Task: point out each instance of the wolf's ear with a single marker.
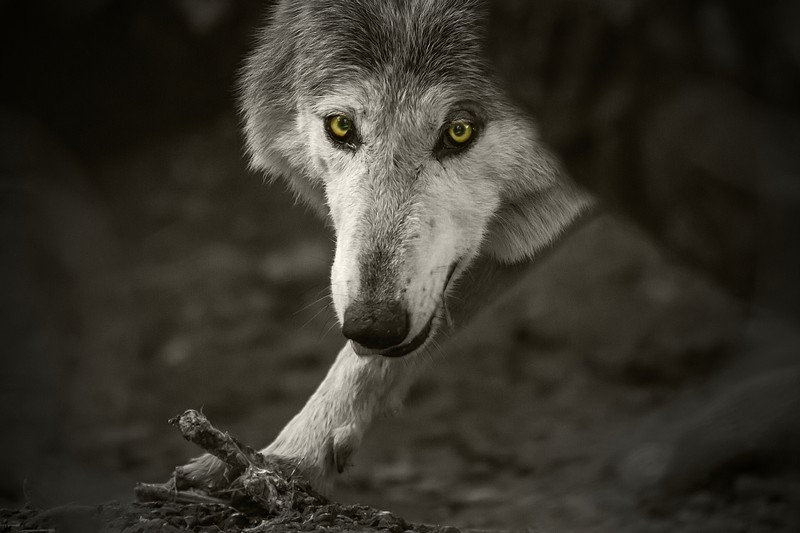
(538, 202)
(268, 102)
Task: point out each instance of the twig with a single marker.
(271, 482)
(196, 428)
(165, 492)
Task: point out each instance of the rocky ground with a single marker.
(632, 384)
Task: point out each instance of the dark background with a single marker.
(645, 378)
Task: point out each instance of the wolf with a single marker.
(385, 118)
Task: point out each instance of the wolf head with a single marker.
(383, 116)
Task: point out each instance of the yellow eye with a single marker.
(340, 126)
(460, 131)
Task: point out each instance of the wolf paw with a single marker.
(320, 458)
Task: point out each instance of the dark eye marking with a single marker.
(461, 130)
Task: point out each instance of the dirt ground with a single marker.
(626, 386)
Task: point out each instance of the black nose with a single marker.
(375, 325)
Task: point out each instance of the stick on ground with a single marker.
(269, 482)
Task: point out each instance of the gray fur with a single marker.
(407, 218)
(410, 45)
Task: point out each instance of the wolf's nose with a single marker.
(375, 325)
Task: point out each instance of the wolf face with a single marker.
(410, 206)
(385, 119)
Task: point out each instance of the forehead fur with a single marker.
(427, 41)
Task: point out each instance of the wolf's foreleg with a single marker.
(324, 434)
(329, 428)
